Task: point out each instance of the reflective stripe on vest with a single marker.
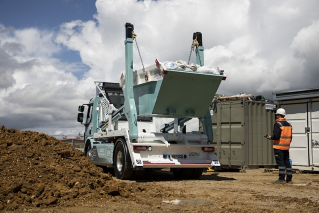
(286, 137)
(277, 144)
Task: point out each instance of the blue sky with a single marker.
(51, 51)
(47, 15)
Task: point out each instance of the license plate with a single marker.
(215, 162)
(177, 156)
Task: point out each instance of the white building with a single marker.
(302, 111)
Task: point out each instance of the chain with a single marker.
(140, 56)
(194, 44)
(190, 53)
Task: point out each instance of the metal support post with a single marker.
(206, 121)
(200, 49)
(129, 102)
(175, 125)
(200, 55)
(207, 126)
(110, 126)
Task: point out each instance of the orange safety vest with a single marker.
(285, 137)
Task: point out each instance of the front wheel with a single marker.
(121, 169)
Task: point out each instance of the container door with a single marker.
(259, 122)
(224, 134)
(231, 134)
(315, 134)
(237, 134)
(297, 116)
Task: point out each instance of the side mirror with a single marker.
(81, 108)
(80, 117)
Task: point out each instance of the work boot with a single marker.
(280, 181)
(289, 181)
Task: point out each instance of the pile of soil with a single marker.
(38, 170)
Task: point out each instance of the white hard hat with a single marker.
(281, 111)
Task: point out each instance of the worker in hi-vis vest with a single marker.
(281, 138)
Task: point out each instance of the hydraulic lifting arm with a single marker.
(199, 48)
(129, 102)
(206, 121)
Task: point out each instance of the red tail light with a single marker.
(139, 148)
(209, 149)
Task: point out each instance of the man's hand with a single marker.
(268, 137)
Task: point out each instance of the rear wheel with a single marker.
(197, 173)
(121, 161)
(183, 173)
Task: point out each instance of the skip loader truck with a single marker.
(163, 90)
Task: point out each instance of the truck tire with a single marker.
(197, 173)
(121, 169)
(183, 173)
(88, 150)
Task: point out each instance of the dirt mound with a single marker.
(38, 170)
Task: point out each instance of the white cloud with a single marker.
(285, 11)
(34, 41)
(306, 42)
(305, 47)
(38, 90)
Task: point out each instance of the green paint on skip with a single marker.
(179, 94)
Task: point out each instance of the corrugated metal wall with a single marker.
(260, 122)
